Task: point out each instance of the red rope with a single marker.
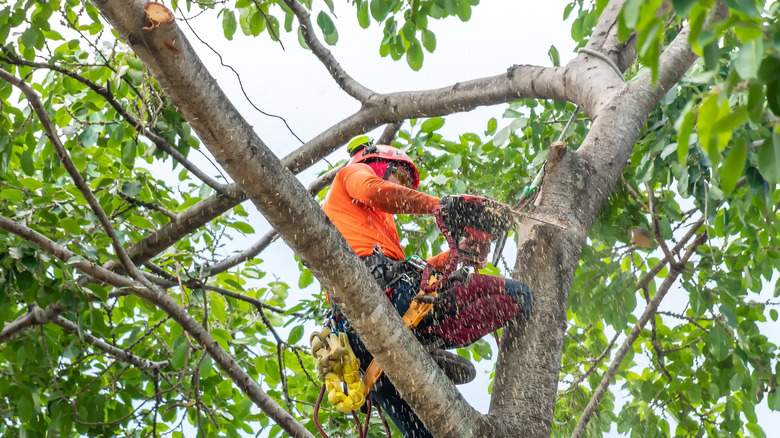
(454, 256)
(317, 412)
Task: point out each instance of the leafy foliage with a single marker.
(708, 162)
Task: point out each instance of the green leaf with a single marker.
(179, 355)
(26, 160)
(428, 40)
(719, 343)
(305, 279)
(755, 431)
(734, 166)
(683, 7)
(129, 150)
(748, 60)
(464, 10)
(773, 400)
(131, 188)
(362, 15)
(755, 102)
(432, 124)
(229, 23)
(731, 122)
(683, 136)
(554, 56)
(379, 9)
(29, 38)
(11, 195)
(748, 7)
(70, 225)
(414, 55)
(141, 222)
(218, 309)
(296, 334)
(328, 28)
(769, 159)
(242, 227)
(280, 290)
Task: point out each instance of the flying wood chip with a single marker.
(157, 14)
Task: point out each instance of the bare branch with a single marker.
(388, 135)
(656, 230)
(320, 183)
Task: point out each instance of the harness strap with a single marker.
(419, 307)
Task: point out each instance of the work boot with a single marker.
(459, 369)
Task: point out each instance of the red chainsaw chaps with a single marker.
(483, 306)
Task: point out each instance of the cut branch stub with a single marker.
(157, 14)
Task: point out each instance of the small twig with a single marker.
(656, 228)
(148, 205)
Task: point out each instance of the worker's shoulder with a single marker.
(356, 169)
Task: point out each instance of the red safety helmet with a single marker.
(366, 153)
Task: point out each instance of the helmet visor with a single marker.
(400, 175)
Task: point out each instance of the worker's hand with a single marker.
(474, 252)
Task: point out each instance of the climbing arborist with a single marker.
(378, 182)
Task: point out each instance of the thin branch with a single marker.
(320, 183)
(34, 316)
(594, 364)
(147, 205)
(121, 354)
(653, 272)
(649, 312)
(656, 228)
(344, 80)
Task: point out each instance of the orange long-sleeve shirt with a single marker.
(361, 205)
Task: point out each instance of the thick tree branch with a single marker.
(574, 191)
(604, 38)
(389, 133)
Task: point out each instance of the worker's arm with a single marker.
(363, 185)
(440, 261)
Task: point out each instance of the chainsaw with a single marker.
(477, 218)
